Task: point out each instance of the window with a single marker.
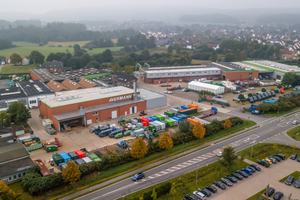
(15, 176)
(32, 101)
(163, 74)
(95, 113)
(193, 72)
(9, 178)
(19, 175)
(188, 73)
(169, 73)
(24, 173)
(175, 73)
(156, 74)
(97, 119)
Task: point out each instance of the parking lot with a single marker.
(259, 180)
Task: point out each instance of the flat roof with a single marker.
(11, 93)
(84, 95)
(148, 94)
(280, 67)
(183, 70)
(46, 76)
(34, 87)
(75, 74)
(228, 66)
(173, 67)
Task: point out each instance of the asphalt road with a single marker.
(267, 129)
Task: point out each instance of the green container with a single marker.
(155, 134)
(34, 147)
(140, 136)
(92, 156)
(119, 135)
(169, 114)
(50, 148)
(171, 123)
(121, 120)
(127, 133)
(160, 118)
(151, 127)
(146, 128)
(57, 158)
(97, 159)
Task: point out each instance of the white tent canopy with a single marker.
(198, 86)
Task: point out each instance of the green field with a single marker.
(257, 195)
(17, 69)
(25, 48)
(294, 133)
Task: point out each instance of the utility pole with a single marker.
(197, 177)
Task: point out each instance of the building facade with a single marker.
(122, 79)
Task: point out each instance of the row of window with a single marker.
(95, 113)
(182, 73)
(14, 177)
(32, 101)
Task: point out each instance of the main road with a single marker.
(265, 131)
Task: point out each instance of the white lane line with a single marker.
(186, 163)
(212, 154)
(200, 157)
(190, 161)
(170, 170)
(113, 191)
(176, 168)
(164, 172)
(196, 160)
(180, 165)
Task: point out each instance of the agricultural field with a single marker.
(17, 69)
(25, 48)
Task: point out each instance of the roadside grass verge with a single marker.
(17, 69)
(294, 133)
(275, 114)
(295, 174)
(95, 178)
(186, 183)
(257, 195)
(263, 150)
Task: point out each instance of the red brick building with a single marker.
(239, 75)
(86, 106)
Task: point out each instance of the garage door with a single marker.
(135, 109)
(114, 114)
(89, 121)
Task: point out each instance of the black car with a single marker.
(190, 197)
(250, 99)
(269, 192)
(204, 191)
(220, 185)
(277, 158)
(244, 174)
(211, 188)
(252, 168)
(227, 182)
(278, 195)
(263, 96)
(290, 180)
(293, 156)
(298, 159)
(263, 163)
(256, 167)
(238, 176)
(280, 156)
(266, 94)
(237, 92)
(297, 183)
(232, 179)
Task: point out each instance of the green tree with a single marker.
(263, 89)
(129, 69)
(214, 56)
(243, 55)
(278, 53)
(241, 97)
(76, 48)
(7, 194)
(71, 173)
(116, 68)
(18, 112)
(122, 41)
(145, 54)
(229, 157)
(178, 49)
(290, 79)
(15, 58)
(170, 49)
(173, 190)
(250, 95)
(139, 149)
(154, 195)
(37, 57)
(93, 64)
(229, 57)
(107, 56)
(5, 116)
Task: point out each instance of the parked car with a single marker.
(220, 154)
(277, 158)
(248, 171)
(255, 112)
(205, 192)
(269, 191)
(211, 188)
(219, 96)
(263, 163)
(220, 185)
(238, 176)
(236, 99)
(236, 92)
(252, 168)
(244, 174)
(256, 167)
(267, 160)
(199, 195)
(280, 156)
(259, 97)
(254, 98)
(170, 92)
(278, 195)
(274, 161)
(290, 180)
(185, 90)
(298, 159)
(297, 183)
(251, 88)
(250, 99)
(226, 182)
(190, 197)
(246, 90)
(295, 122)
(231, 178)
(138, 176)
(293, 156)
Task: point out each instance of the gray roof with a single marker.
(11, 93)
(52, 64)
(148, 94)
(10, 151)
(34, 87)
(16, 166)
(46, 76)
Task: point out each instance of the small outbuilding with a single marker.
(198, 86)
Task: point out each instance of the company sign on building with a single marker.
(121, 98)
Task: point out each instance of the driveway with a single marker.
(259, 180)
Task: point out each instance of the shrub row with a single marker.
(160, 190)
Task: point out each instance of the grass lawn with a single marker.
(100, 50)
(294, 133)
(275, 114)
(67, 44)
(17, 69)
(96, 178)
(198, 62)
(263, 150)
(257, 195)
(206, 176)
(295, 174)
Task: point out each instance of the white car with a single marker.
(170, 92)
(236, 99)
(251, 88)
(199, 195)
(220, 154)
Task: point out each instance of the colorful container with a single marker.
(80, 153)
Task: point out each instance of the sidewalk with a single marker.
(149, 166)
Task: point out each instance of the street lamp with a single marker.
(197, 177)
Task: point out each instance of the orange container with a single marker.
(193, 121)
(193, 106)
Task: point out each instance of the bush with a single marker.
(161, 190)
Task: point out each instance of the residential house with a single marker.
(55, 66)
(25, 61)
(214, 46)
(287, 54)
(122, 79)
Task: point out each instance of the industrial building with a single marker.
(154, 99)
(198, 86)
(123, 79)
(84, 107)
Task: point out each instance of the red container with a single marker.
(143, 119)
(80, 153)
(145, 123)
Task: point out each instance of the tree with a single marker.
(294, 147)
(241, 97)
(5, 116)
(173, 190)
(15, 58)
(37, 57)
(154, 195)
(184, 127)
(229, 157)
(170, 49)
(227, 124)
(139, 149)
(263, 89)
(76, 48)
(229, 57)
(165, 142)
(129, 69)
(214, 56)
(116, 68)
(122, 41)
(290, 79)
(93, 64)
(243, 55)
(199, 131)
(275, 147)
(107, 56)
(250, 95)
(7, 194)
(145, 54)
(178, 49)
(18, 112)
(71, 173)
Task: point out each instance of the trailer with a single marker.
(212, 111)
(43, 169)
(188, 111)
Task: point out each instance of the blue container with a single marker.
(155, 118)
(65, 156)
(10, 83)
(185, 107)
(108, 125)
(177, 118)
(183, 115)
(270, 101)
(150, 118)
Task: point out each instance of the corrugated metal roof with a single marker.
(16, 166)
(12, 151)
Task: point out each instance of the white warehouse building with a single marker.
(198, 86)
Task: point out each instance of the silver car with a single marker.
(295, 122)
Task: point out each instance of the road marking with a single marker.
(176, 168)
(181, 165)
(186, 163)
(253, 142)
